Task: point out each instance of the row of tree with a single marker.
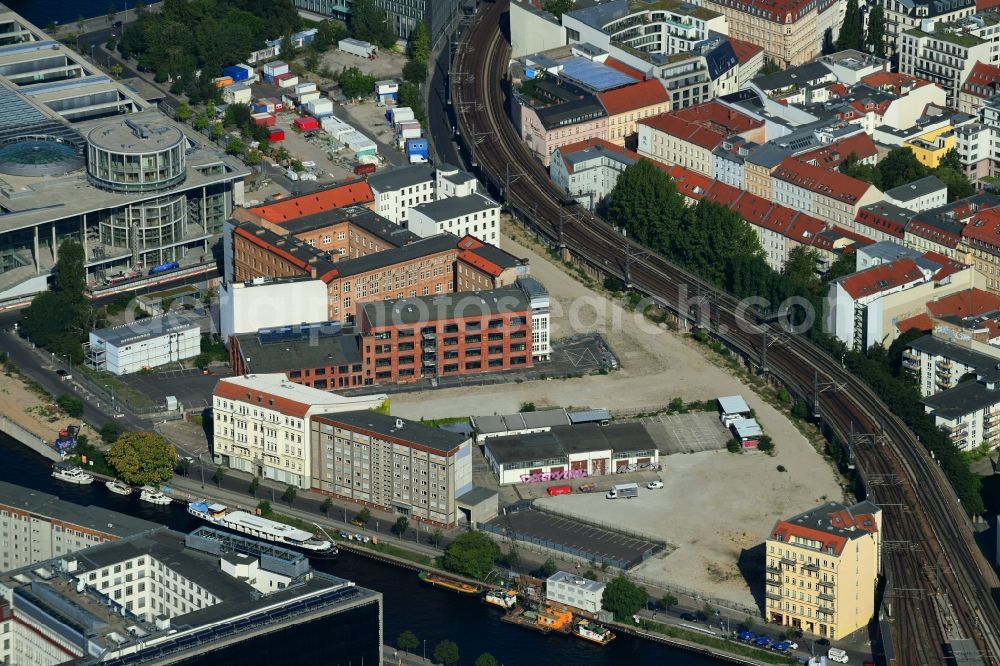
(445, 652)
(717, 245)
(901, 166)
(852, 32)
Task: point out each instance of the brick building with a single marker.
(483, 266)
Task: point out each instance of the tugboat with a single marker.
(449, 583)
(505, 599)
(71, 474)
(118, 487)
(154, 496)
(594, 633)
(265, 529)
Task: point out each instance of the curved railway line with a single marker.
(939, 584)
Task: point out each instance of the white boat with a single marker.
(154, 496)
(118, 487)
(258, 527)
(505, 599)
(71, 475)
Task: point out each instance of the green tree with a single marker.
(770, 67)
(289, 494)
(364, 516)
(486, 659)
(527, 407)
(843, 265)
(557, 7)
(852, 29)
(765, 444)
(668, 601)
(590, 574)
(436, 537)
(328, 34)
(419, 48)
(110, 432)
(876, 31)
(800, 409)
(866, 172)
(142, 458)
(899, 167)
(549, 568)
(200, 121)
(326, 506)
(183, 113)
(446, 653)
(354, 84)
(407, 641)
(400, 526)
(645, 203)
(264, 507)
(623, 598)
(70, 404)
(219, 475)
(368, 23)
(235, 147)
(409, 95)
(472, 554)
(217, 131)
(415, 72)
(958, 185)
(254, 485)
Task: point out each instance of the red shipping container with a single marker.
(277, 134)
(363, 169)
(263, 119)
(307, 123)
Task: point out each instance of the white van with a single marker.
(837, 655)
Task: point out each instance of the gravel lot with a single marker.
(387, 65)
(314, 150)
(715, 504)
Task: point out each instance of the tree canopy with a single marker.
(446, 652)
(142, 458)
(852, 29)
(60, 319)
(419, 48)
(901, 166)
(876, 31)
(355, 84)
(557, 7)
(407, 641)
(623, 598)
(472, 554)
(368, 23)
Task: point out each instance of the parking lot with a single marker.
(192, 389)
(686, 433)
(590, 542)
(333, 162)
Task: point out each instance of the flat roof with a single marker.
(733, 404)
(400, 177)
(325, 351)
(136, 134)
(92, 517)
(426, 309)
(963, 399)
(451, 207)
(543, 418)
(422, 247)
(278, 385)
(564, 440)
(360, 216)
(144, 329)
(592, 586)
(396, 428)
(918, 188)
(934, 346)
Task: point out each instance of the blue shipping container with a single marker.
(417, 150)
(236, 73)
(260, 108)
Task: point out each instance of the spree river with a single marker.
(430, 613)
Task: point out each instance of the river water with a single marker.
(430, 613)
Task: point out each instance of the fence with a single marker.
(28, 438)
(585, 555)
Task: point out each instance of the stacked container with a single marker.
(306, 123)
(286, 80)
(319, 107)
(417, 150)
(262, 119)
(409, 129)
(272, 70)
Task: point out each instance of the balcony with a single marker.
(773, 595)
(775, 581)
(429, 347)
(428, 335)
(810, 566)
(790, 561)
(773, 570)
(826, 597)
(825, 610)
(825, 583)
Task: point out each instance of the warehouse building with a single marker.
(144, 343)
(37, 526)
(571, 452)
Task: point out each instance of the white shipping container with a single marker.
(305, 98)
(335, 127)
(238, 94)
(357, 47)
(411, 132)
(402, 114)
(320, 107)
(290, 82)
(276, 68)
(305, 87)
(292, 174)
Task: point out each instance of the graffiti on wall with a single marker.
(624, 469)
(554, 476)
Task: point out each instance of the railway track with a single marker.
(939, 583)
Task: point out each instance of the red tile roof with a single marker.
(983, 5)
(224, 389)
(894, 81)
(967, 303)
(831, 156)
(745, 50)
(827, 182)
(983, 81)
(983, 230)
(330, 198)
(705, 125)
(690, 184)
(624, 69)
(639, 95)
(879, 278)
(948, 266)
(921, 322)
(784, 531)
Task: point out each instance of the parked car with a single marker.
(783, 646)
(653, 485)
(746, 636)
(688, 617)
(762, 641)
(822, 641)
(559, 490)
(587, 487)
(792, 645)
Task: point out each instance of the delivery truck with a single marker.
(623, 491)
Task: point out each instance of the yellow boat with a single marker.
(450, 583)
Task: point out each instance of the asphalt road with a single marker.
(439, 121)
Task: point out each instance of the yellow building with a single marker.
(930, 148)
(822, 568)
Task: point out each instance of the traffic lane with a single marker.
(439, 120)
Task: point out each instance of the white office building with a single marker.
(397, 190)
(247, 307)
(575, 591)
(261, 424)
(144, 343)
(474, 215)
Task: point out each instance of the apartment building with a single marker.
(168, 593)
(883, 221)
(397, 190)
(822, 569)
(481, 266)
(395, 464)
(471, 215)
(920, 195)
(824, 193)
(560, 114)
(711, 69)
(790, 31)
(589, 170)
(970, 412)
(982, 83)
(452, 334)
(942, 53)
(37, 526)
(980, 243)
(261, 424)
(940, 362)
(324, 200)
(688, 137)
(629, 104)
(904, 15)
